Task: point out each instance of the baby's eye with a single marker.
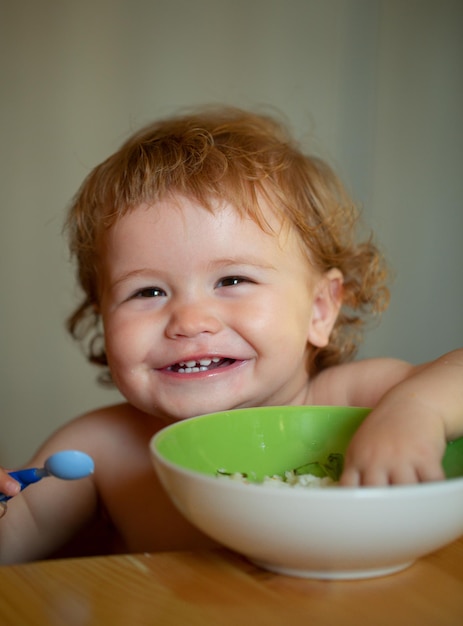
(232, 281)
(149, 292)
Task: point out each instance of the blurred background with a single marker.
(373, 86)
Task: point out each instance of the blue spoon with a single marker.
(67, 465)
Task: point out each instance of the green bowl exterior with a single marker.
(269, 440)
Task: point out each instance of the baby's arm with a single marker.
(404, 438)
(46, 514)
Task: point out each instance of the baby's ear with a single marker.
(328, 295)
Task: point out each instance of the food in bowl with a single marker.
(290, 479)
(333, 533)
(309, 475)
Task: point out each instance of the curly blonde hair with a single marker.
(238, 157)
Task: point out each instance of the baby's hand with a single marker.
(395, 449)
(8, 485)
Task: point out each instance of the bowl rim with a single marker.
(401, 490)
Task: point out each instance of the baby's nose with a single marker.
(190, 320)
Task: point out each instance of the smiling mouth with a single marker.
(203, 365)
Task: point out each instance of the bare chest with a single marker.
(145, 518)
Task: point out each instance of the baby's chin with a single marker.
(180, 414)
(170, 415)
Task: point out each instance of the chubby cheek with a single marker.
(124, 346)
(278, 326)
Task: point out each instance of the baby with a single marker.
(220, 269)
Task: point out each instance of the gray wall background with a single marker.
(376, 87)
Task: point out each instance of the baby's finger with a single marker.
(350, 478)
(369, 477)
(428, 472)
(8, 486)
(405, 474)
(375, 476)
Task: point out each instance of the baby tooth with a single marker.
(205, 362)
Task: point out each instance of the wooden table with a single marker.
(219, 588)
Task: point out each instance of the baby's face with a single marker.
(206, 312)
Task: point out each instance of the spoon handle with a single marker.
(24, 477)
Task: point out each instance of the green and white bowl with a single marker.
(326, 533)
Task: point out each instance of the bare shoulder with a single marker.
(129, 490)
(359, 383)
(102, 432)
(122, 415)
